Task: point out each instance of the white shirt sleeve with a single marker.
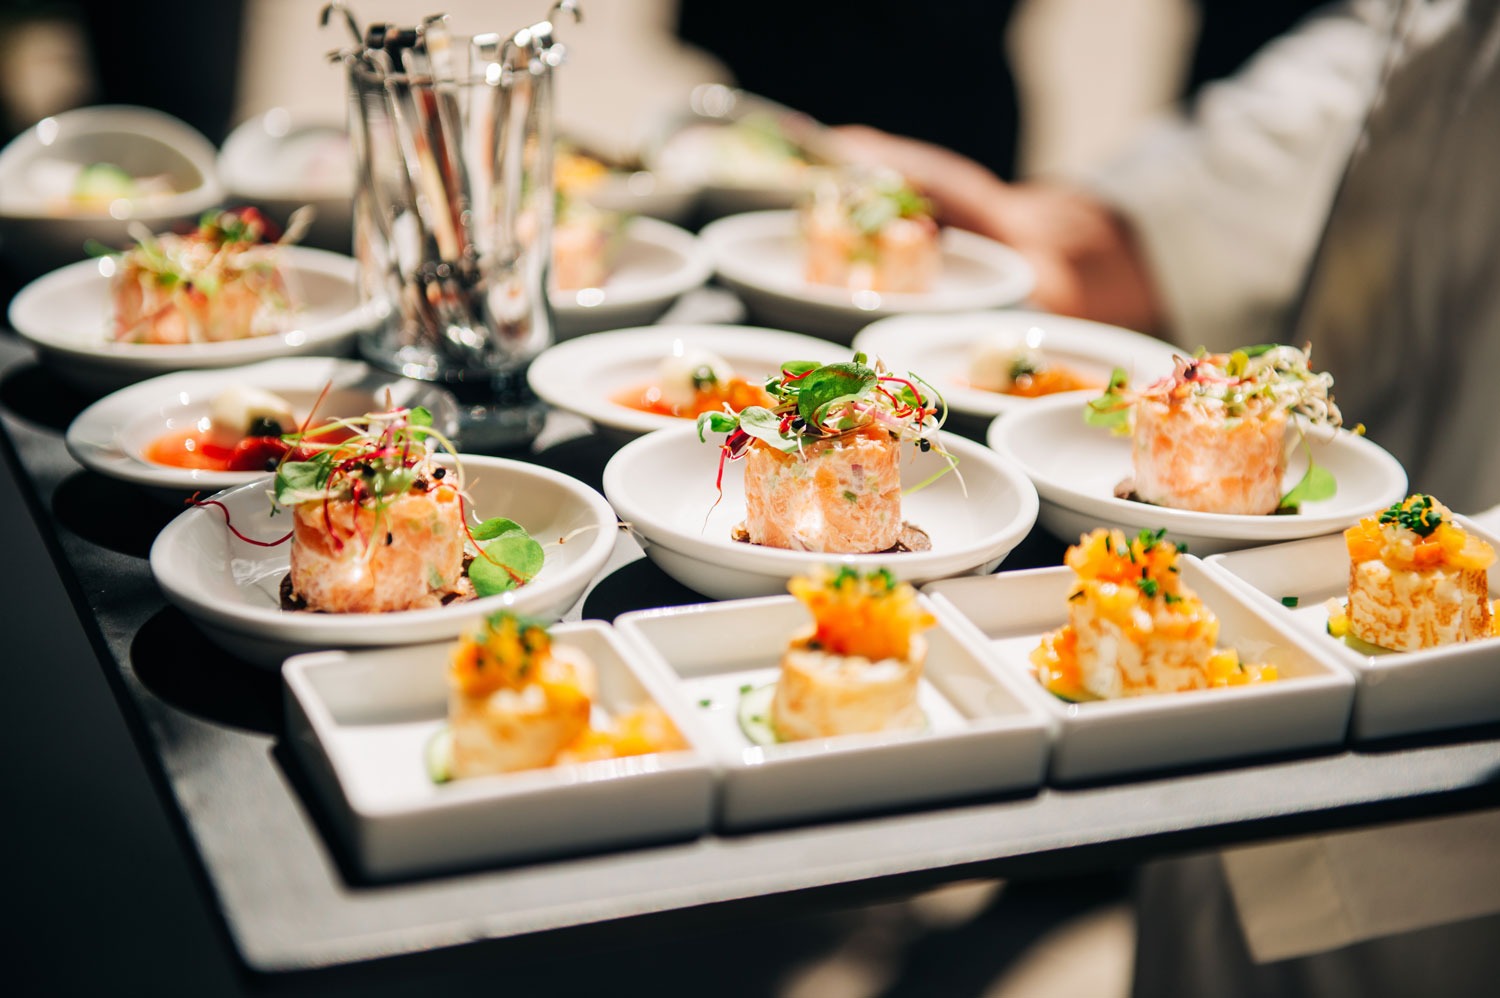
(1229, 200)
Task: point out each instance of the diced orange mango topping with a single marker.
(1417, 534)
(872, 616)
(1056, 662)
(506, 652)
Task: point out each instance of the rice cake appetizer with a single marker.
(1213, 435)
(518, 701)
(871, 233)
(1134, 628)
(823, 463)
(857, 668)
(585, 243)
(1416, 579)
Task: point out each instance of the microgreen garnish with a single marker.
(376, 462)
(1416, 513)
(871, 203)
(1290, 601)
(1252, 379)
(510, 560)
(1111, 411)
(376, 459)
(817, 402)
(1148, 538)
(1315, 485)
(1025, 365)
(494, 527)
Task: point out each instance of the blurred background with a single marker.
(1028, 87)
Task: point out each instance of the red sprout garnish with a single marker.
(193, 500)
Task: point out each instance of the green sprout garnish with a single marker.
(818, 402)
(1416, 514)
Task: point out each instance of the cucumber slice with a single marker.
(438, 755)
(755, 715)
(1364, 647)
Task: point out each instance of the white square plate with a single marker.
(1399, 692)
(361, 721)
(981, 737)
(1307, 708)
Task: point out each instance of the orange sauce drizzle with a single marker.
(736, 393)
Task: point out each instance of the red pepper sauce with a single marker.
(195, 449)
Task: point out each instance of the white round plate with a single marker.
(67, 315)
(662, 485)
(657, 264)
(586, 375)
(940, 348)
(280, 161)
(642, 192)
(690, 157)
(689, 147)
(759, 255)
(40, 230)
(231, 589)
(111, 436)
(1076, 467)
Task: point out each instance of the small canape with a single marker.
(518, 701)
(1212, 436)
(857, 668)
(1416, 579)
(823, 464)
(871, 234)
(223, 281)
(1134, 628)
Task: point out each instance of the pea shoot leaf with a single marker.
(1111, 411)
(830, 385)
(297, 481)
(1316, 485)
(764, 425)
(718, 422)
(510, 560)
(494, 527)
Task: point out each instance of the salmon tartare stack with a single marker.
(1213, 435)
(223, 281)
(585, 242)
(871, 234)
(380, 525)
(1416, 579)
(823, 463)
(857, 668)
(1134, 627)
(518, 701)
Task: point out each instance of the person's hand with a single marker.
(1086, 257)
